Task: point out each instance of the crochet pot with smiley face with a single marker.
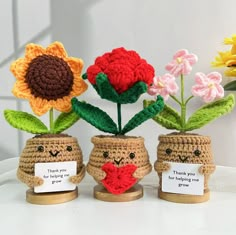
(49, 148)
(118, 161)
(49, 79)
(183, 147)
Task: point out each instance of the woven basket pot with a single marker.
(49, 148)
(185, 148)
(117, 163)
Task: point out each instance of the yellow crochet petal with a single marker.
(39, 106)
(79, 86)
(56, 49)
(63, 105)
(230, 72)
(75, 64)
(233, 49)
(33, 50)
(21, 90)
(218, 63)
(19, 68)
(230, 41)
(231, 62)
(223, 58)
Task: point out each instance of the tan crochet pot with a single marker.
(119, 151)
(185, 148)
(49, 148)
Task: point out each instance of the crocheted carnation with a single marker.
(118, 179)
(123, 69)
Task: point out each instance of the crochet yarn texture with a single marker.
(118, 179)
(120, 151)
(49, 148)
(48, 78)
(123, 68)
(185, 148)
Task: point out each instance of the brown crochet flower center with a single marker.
(49, 77)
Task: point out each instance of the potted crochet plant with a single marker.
(48, 78)
(117, 162)
(184, 146)
(228, 59)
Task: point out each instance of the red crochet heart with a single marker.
(118, 179)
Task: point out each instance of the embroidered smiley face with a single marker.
(119, 158)
(55, 151)
(45, 148)
(183, 157)
(184, 150)
(120, 151)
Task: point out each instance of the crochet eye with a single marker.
(197, 153)
(132, 155)
(168, 151)
(105, 154)
(40, 148)
(69, 148)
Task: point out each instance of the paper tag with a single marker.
(56, 176)
(183, 178)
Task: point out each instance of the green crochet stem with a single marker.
(51, 123)
(183, 104)
(119, 117)
(183, 107)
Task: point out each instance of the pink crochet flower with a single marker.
(163, 85)
(182, 63)
(208, 86)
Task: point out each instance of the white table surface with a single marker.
(148, 215)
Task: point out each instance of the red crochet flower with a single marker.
(118, 179)
(123, 69)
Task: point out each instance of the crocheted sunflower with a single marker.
(49, 79)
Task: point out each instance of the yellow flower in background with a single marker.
(227, 58)
(48, 78)
(231, 72)
(231, 41)
(222, 59)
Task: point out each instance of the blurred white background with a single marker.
(156, 29)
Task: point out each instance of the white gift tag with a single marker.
(183, 178)
(56, 176)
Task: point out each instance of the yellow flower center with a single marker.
(179, 60)
(211, 85)
(160, 85)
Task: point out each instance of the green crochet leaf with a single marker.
(168, 117)
(133, 94)
(106, 90)
(231, 86)
(147, 113)
(210, 112)
(64, 121)
(95, 116)
(25, 121)
(85, 76)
